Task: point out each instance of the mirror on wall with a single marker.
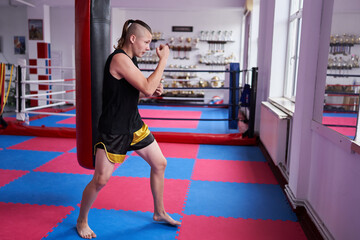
(341, 96)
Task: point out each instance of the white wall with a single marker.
(62, 21)
(254, 35)
(334, 169)
(62, 31)
(324, 172)
(13, 23)
(334, 187)
(163, 20)
(264, 57)
(63, 28)
(118, 18)
(200, 20)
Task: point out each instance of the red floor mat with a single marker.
(212, 228)
(47, 144)
(70, 120)
(178, 150)
(65, 163)
(128, 193)
(340, 121)
(347, 131)
(170, 114)
(34, 220)
(233, 171)
(7, 176)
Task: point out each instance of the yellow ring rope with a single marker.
(1, 83)
(9, 86)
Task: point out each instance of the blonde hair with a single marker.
(128, 29)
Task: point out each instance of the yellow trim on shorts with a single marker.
(140, 134)
(114, 158)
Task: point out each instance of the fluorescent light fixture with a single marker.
(26, 3)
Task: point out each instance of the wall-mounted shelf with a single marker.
(342, 50)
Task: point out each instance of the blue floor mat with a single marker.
(112, 224)
(177, 168)
(9, 140)
(238, 200)
(243, 153)
(57, 189)
(51, 121)
(25, 159)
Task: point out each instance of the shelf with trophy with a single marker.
(341, 55)
(184, 83)
(343, 82)
(214, 59)
(216, 51)
(197, 90)
(179, 46)
(182, 46)
(182, 80)
(156, 36)
(216, 36)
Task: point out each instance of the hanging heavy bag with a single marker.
(245, 96)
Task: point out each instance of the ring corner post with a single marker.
(254, 80)
(234, 69)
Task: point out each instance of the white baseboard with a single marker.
(312, 213)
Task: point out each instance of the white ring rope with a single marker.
(48, 83)
(59, 88)
(53, 100)
(47, 67)
(46, 94)
(53, 113)
(44, 106)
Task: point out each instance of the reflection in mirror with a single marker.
(341, 101)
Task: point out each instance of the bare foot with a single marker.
(84, 230)
(164, 217)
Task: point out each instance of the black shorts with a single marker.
(116, 146)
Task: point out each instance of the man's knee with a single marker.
(161, 165)
(100, 182)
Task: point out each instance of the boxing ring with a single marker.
(341, 105)
(39, 98)
(44, 94)
(39, 108)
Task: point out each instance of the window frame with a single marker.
(292, 51)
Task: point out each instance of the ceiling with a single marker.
(140, 4)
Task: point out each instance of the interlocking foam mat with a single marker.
(194, 126)
(217, 192)
(346, 123)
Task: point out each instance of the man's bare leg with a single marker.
(154, 157)
(103, 171)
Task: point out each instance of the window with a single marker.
(293, 45)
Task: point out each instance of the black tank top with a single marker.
(120, 114)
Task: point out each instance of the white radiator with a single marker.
(274, 127)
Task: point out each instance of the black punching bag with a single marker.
(92, 46)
